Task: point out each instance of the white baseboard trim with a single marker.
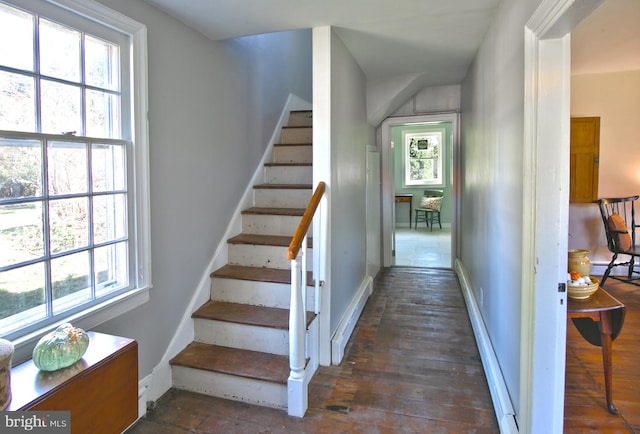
(143, 387)
(349, 320)
(502, 405)
(160, 381)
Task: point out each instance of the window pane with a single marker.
(59, 51)
(17, 102)
(424, 170)
(108, 167)
(16, 26)
(102, 64)
(71, 282)
(67, 168)
(21, 233)
(20, 168)
(418, 170)
(22, 299)
(60, 108)
(68, 221)
(111, 268)
(103, 117)
(109, 218)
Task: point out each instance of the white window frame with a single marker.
(113, 307)
(406, 139)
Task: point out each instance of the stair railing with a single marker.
(297, 385)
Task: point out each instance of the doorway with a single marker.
(403, 243)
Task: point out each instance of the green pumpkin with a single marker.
(61, 348)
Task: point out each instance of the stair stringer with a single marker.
(160, 381)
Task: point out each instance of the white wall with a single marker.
(433, 99)
(350, 134)
(615, 98)
(212, 110)
(492, 133)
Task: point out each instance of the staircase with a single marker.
(241, 344)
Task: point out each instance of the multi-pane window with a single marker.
(423, 158)
(67, 224)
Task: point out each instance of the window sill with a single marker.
(86, 320)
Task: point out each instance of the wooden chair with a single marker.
(429, 209)
(619, 219)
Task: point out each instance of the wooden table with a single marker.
(406, 197)
(100, 390)
(599, 320)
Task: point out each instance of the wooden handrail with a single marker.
(307, 217)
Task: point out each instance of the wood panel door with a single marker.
(585, 154)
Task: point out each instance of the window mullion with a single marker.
(83, 86)
(90, 217)
(46, 228)
(36, 66)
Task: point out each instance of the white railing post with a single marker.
(299, 348)
(296, 385)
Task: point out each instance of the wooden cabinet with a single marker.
(100, 390)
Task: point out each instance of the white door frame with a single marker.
(545, 212)
(388, 180)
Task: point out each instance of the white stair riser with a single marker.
(262, 256)
(281, 198)
(270, 224)
(288, 175)
(229, 387)
(242, 336)
(297, 135)
(300, 118)
(293, 154)
(256, 293)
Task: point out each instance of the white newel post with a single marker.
(296, 385)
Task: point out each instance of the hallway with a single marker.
(411, 366)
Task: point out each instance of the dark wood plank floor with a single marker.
(411, 366)
(585, 404)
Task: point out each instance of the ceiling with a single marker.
(607, 40)
(433, 39)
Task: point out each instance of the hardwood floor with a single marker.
(411, 366)
(585, 405)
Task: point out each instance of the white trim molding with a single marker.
(349, 320)
(388, 183)
(546, 116)
(497, 385)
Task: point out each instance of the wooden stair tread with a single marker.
(274, 211)
(264, 240)
(260, 316)
(231, 361)
(291, 127)
(284, 186)
(259, 274)
(294, 144)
